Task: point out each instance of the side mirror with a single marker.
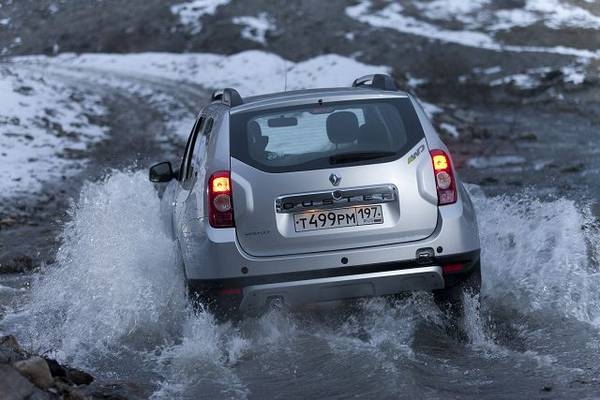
(161, 172)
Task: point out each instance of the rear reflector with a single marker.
(220, 208)
(444, 177)
(452, 268)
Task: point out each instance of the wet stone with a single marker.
(21, 263)
(14, 386)
(10, 351)
(36, 370)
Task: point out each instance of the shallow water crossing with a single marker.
(114, 303)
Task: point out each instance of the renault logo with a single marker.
(335, 179)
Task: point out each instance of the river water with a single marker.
(114, 304)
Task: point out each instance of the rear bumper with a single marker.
(251, 293)
(294, 293)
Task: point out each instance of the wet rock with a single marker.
(57, 370)
(114, 391)
(574, 168)
(68, 392)
(36, 370)
(70, 375)
(7, 221)
(78, 377)
(20, 263)
(547, 388)
(25, 377)
(527, 137)
(24, 90)
(489, 180)
(10, 342)
(595, 209)
(10, 351)
(14, 386)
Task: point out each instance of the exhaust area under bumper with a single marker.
(294, 293)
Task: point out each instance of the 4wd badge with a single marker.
(416, 154)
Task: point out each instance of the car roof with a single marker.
(306, 96)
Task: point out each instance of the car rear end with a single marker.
(330, 195)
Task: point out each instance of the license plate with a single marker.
(338, 218)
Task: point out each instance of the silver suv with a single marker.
(318, 195)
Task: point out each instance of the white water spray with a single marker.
(117, 288)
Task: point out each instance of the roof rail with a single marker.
(376, 81)
(228, 96)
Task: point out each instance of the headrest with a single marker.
(254, 130)
(256, 140)
(342, 127)
(373, 133)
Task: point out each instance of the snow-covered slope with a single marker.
(251, 72)
(46, 125)
(475, 23)
(45, 129)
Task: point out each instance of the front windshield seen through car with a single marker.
(314, 136)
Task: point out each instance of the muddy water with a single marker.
(114, 304)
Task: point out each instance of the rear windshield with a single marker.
(322, 136)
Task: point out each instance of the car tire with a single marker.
(451, 298)
(222, 308)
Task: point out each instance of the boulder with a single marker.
(36, 370)
(10, 351)
(78, 377)
(13, 386)
(70, 375)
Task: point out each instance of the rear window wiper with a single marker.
(359, 156)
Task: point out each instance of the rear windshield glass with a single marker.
(321, 136)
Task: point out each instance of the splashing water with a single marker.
(114, 302)
(538, 256)
(116, 278)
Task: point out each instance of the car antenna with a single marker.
(285, 75)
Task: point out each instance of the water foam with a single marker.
(538, 256)
(117, 290)
(116, 279)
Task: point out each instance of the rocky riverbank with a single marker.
(24, 375)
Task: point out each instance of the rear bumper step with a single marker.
(294, 293)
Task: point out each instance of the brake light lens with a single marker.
(220, 204)
(444, 177)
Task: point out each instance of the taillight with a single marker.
(444, 177)
(220, 204)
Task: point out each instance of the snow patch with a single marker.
(250, 72)
(573, 74)
(479, 25)
(450, 9)
(430, 108)
(191, 12)
(521, 81)
(413, 82)
(495, 161)
(44, 126)
(255, 28)
(532, 78)
(450, 129)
